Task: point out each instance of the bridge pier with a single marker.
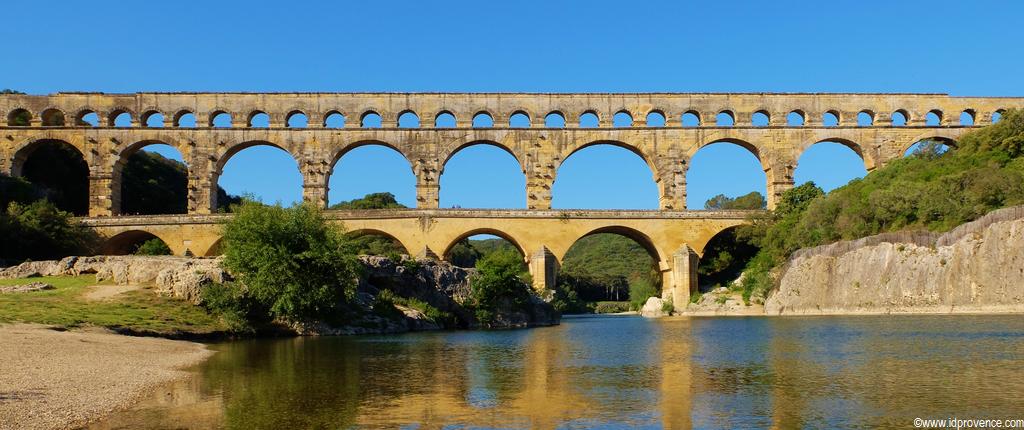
(682, 277)
(543, 269)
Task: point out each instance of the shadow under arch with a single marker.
(478, 231)
(127, 242)
(371, 232)
(122, 161)
(637, 236)
(58, 169)
(715, 269)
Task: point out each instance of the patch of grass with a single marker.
(445, 319)
(611, 307)
(139, 310)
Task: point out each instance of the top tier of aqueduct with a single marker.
(128, 122)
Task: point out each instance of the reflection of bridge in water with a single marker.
(540, 130)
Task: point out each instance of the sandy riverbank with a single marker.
(53, 380)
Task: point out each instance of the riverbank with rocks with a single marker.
(52, 379)
(391, 296)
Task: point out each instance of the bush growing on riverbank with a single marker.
(293, 263)
(924, 191)
(40, 231)
(499, 285)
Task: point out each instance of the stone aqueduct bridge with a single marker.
(674, 236)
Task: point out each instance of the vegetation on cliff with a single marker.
(929, 189)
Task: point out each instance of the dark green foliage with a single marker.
(374, 244)
(291, 260)
(152, 184)
(724, 258)
(567, 301)
(387, 299)
(371, 201)
(153, 246)
(466, 252)
(18, 190)
(59, 172)
(752, 200)
(925, 191)
(234, 305)
(601, 267)
(639, 291)
(40, 231)
(499, 285)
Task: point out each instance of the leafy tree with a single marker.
(464, 254)
(291, 261)
(153, 246)
(371, 201)
(40, 231)
(600, 267)
(752, 200)
(639, 291)
(499, 284)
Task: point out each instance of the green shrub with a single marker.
(40, 231)
(153, 247)
(639, 291)
(232, 304)
(499, 284)
(291, 260)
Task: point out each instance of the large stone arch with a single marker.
(378, 232)
(949, 137)
(221, 160)
(117, 161)
(348, 147)
(120, 243)
(868, 157)
(754, 148)
(24, 150)
(656, 164)
(452, 241)
(641, 238)
(448, 153)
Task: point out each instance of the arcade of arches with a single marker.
(98, 134)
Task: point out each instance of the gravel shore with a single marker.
(54, 380)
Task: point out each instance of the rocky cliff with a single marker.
(977, 267)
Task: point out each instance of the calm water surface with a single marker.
(612, 372)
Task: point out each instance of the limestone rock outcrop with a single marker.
(181, 277)
(653, 308)
(977, 267)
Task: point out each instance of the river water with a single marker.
(612, 372)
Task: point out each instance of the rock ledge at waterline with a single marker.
(977, 267)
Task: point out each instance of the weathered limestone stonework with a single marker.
(675, 237)
(540, 150)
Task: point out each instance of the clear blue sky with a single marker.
(963, 48)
